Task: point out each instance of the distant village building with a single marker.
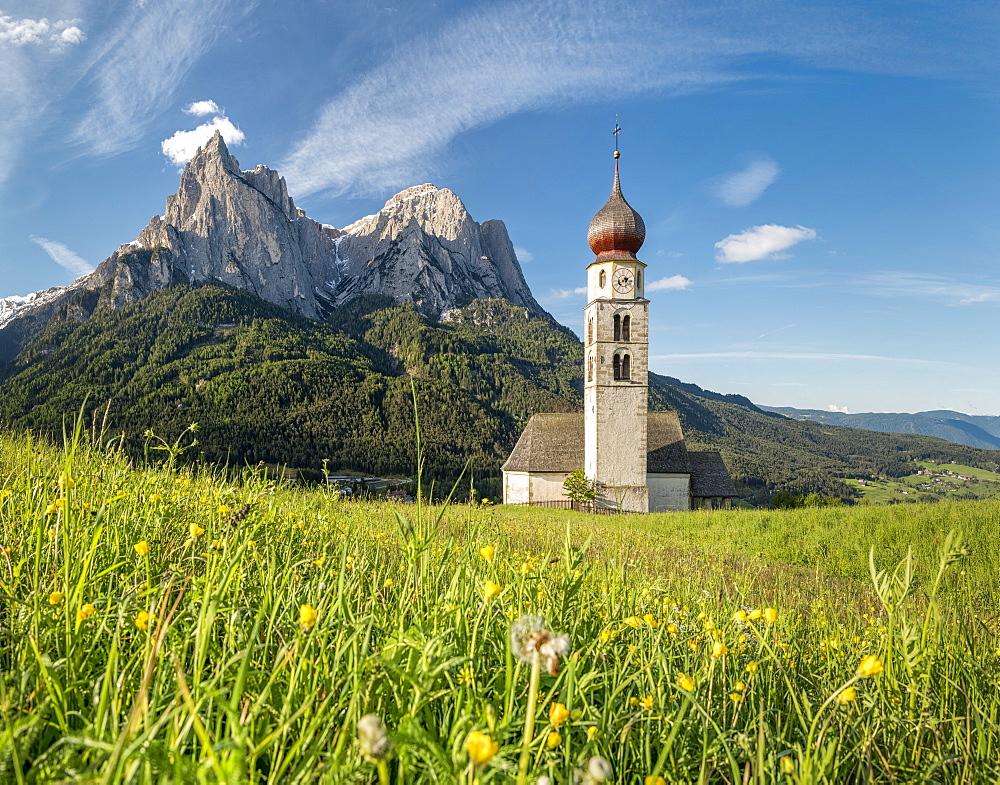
(637, 457)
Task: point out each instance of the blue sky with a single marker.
(820, 181)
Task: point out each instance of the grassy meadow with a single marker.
(164, 625)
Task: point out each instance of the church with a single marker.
(637, 458)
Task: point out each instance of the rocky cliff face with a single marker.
(243, 229)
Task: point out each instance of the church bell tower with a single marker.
(616, 356)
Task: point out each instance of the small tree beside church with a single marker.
(579, 488)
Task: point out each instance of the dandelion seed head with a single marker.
(373, 737)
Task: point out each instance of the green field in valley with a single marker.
(164, 625)
(947, 480)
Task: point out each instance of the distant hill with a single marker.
(971, 430)
(266, 384)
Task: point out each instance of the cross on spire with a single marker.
(617, 131)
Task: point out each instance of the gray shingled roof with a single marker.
(709, 475)
(554, 443)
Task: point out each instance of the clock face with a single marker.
(623, 280)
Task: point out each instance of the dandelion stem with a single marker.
(529, 720)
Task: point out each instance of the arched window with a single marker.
(626, 328)
(590, 330)
(602, 280)
(626, 367)
(590, 368)
(638, 282)
(618, 367)
(618, 327)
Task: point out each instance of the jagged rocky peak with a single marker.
(243, 229)
(423, 246)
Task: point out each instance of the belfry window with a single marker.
(590, 330)
(618, 327)
(622, 367)
(638, 281)
(590, 368)
(602, 280)
(626, 328)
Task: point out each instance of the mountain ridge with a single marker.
(972, 430)
(241, 228)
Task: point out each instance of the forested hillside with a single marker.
(267, 385)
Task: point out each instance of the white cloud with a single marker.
(761, 242)
(563, 294)
(141, 63)
(523, 254)
(665, 284)
(20, 32)
(834, 408)
(201, 108)
(182, 146)
(741, 188)
(983, 297)
(64, 257)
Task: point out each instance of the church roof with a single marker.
(555, 443)
(709, 476)
(617, 231)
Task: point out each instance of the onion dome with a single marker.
(617, 231)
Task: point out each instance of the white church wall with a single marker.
(669, 492)
(515, 487)
(547, 486)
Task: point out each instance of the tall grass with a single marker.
(256, 624)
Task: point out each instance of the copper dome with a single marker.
(617, 231)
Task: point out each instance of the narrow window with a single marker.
(626, 328)
(617, 367)
(626, 367)
(638, 282)
(603, 279)
(618, 327)
(590, 368)
(590, 330)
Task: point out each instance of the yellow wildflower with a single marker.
(651, 780)
(86, 610)
(195, 531)
(633, 621)
(736, 697)
(740, 617)
(607, 634)
(481, 748)
(755, 614)
(719, 649)
(387, 584)
(553, 740)
(739, 686)
(141, 547)
(66, 481)
(222, 509)
(155, 497)
(686, 683)
(142, 620)
(488, 552)
(591, 732)
(307, 616)
(491, 589)
(770, 615)
(847, 695)
(56, 598)
(870, 665)
(787, 764)
(558, 714)
(650, 620)
(55, 507)
(672, 628)
(647, 703)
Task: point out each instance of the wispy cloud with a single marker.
(64, 257)
(825, 356)
(761, 242)
(666, 284)
(523, 254)
(563, 294)
(181, 147)
(834, 408)
(778, 330)
(139, 65)
(390, 125)
(906, 284)
(741, 188)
